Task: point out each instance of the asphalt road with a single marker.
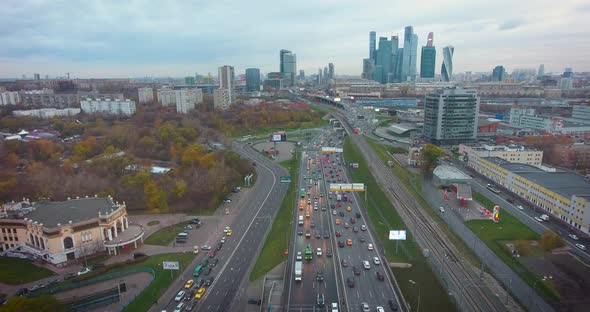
(240, 249)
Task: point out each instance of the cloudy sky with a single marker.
(121, 38)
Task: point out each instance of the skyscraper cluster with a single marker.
(326, 75)
(389, 63)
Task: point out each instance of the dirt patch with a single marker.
(400, 265)
(567, 275)
(284, 150)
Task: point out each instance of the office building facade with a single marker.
(428, 62)
(498, 74)
(252, 79)
(288, 66)
(410, 51)
(330, 71)
(145, 95)
(373, 46)
(446, 70)
(9, 98)
(451, 116)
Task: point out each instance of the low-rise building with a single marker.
(108, 106)
(59, 232)
(512, 153)
(47, 98)
(563, 195)
(47, 112)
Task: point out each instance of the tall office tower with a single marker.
(399, 60)
(36, 76)
(301, 75)
(330, 71)
(189, 80)
(145, 95)
(226, 80)
(498, 73)
(447, 64)
(288, 66)
(187, 99)
(384, 59)
(368, 66)
(568, 73)
(326, 77)
(451, 116)
(408, 72)
(320, 78)
(392, 76)
(252, 79)
(373, 46)
(428, 58)
(541, 71)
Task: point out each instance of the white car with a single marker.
(363, 227)
(376, 260)
(227, 200)
(573, 236)
(582, 247)
(227, 229)
(441, 209)
(334, 307)
(379, 309)
(365, 307)
(366, 265)
(334, 212)
(520, 207)
(84, 271)
(179, 307)
(319, 251)
(299, 257)
(538, 219)
(370, 247)
(206, 247)
(179, 296)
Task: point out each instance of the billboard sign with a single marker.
(278, 137)
(397, 235)
(170, 265)
(330, 150)
(347, 187)
(285, 179)
(353, 165)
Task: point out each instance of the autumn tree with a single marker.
(179, 188)
(551, 240)
(12, 160)
(38, 304)
(192, 154)
(430, 155)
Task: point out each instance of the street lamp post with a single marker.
(416, 284)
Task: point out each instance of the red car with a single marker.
(338, 234)
(339, 204)
(352, 220)
(212, 253)
(350, 200)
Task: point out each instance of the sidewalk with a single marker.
(255, 291)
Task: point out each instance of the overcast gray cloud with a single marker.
(177, 38)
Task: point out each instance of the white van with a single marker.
(300, 220)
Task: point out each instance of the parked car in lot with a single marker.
(84, 271)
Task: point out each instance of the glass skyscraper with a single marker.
(372, 46)
(446, 70)
(408, 72)
(252, 79)
(427, 62)
(498, 73)
(288, 67)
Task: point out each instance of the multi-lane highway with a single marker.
(354, 274)
(248, 230)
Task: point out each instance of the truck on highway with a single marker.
(493, 189)
(544, 217)
(298, 270)
(339, 197)
(302, 192)
(308, 253)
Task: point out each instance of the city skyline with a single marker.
(140, 39)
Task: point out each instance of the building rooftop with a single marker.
(450, 172)
(402, 128)
(75, 210)
(563, 183)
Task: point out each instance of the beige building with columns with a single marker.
(60, 232)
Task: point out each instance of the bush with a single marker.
(550, 240)
(523, 247)
(105, 269)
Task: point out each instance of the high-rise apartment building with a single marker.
(9, 98)
(166, 97)
(451, 116)
(187, 99)
(498, 73)
(226, 80)
(446, 70)
(330, 71)
(373, 46)
(108, 106)
(252, 79)
(221, 99)
(288, 66)
(410, 51)
(428, 58)
(145, 95)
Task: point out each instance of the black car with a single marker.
(326, 235)
(332, 206)
(392, 304)
(350, 282)
(358, 215)
(254, 301)
(218, 247)
(213, 262)
(191, 294)
(342, 213)
(356, 270)
(379, 276)
(341, 244)
(69, 275)
(199, 283)
(319, 276)
(55, 281)
(510, 200)
(205, 262)
(321, 302)
(329, 253)
(207, 271)
(300, 232)
(209, 281)
(318, 235)
(21, 292)
(195, 221)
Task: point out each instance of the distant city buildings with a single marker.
(581, 112)
(145, 95)
(288, 66)
(46, 113)
(409, 54)
(428, 58)
(48, 98)
(451, 116)
(252, 80)
(108, 106)
(166, 96)
(541, 71)
(388, 62)
(226, 80)
(9, 98)
(301, 75)
(330, 71)
(447, 64)
(498, 73)
(187, 99)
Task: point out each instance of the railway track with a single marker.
(462, 277)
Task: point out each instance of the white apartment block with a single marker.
(166, 97)
(145, 95)
(9, 98)
(108, 106)
(47, 112)
(187, 99)
(512, 153)
(581, 112)
(221, 99)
